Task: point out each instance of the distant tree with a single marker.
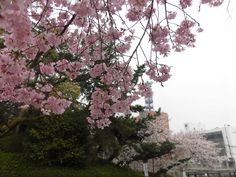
(170, 151)
(191, 149)
(202, 152)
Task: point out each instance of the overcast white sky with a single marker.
(203, 84)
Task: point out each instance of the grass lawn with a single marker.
(13, 165)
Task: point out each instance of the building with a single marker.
(162, 119)
(225, 137)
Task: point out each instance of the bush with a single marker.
(11, 143)
(59, 140)
(13, 165)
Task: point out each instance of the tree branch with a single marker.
(67, 25)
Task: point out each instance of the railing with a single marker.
(210, 173)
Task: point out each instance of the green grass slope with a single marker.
(13, 165)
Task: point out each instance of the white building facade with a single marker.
(225, 137)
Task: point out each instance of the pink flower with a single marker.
(115, 94)
(171, 15)
(47, 69)
(83, 9)
(120, 107)
(29, 96)
(102, 123)
(107, 78)
(133, 15)
(145, 90)
(213, 2)
(159, 39)
(158, 74)
(123, 48)
(90, 120)
(62, 65)
(53, 39)
(46, 88)
(199, 30)
(185, 3)
(55, 105)
(184, 36)
(97, 70)
(102, 39)
(138, 3)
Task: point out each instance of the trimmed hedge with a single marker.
(13, 165)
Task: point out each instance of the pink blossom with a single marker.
(55, 105)
(115, 94)
(199, 30)
(19, 28)
(83, 9)
(184, 35)
(62, 65)
(46, 88)
(212, 2)
(102, 40)
(185, 3)
(90, 120)
(107, 78)
(123, 48)
(171, 15)
(70, 69)
(47, 69)
(145, 90)
(138, 3)
(120, 107)
(159, 39)
(102, 123)
(29, 96)
(133, 15)
(97, 70)
(161, 74)
(53, 39)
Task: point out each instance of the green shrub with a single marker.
(11, 143)
(13, 165)
(58, 140)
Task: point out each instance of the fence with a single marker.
(210, 173)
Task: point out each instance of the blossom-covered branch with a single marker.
(47, 42)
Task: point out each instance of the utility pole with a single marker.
(228, 143)
(148, 109)
(149, 99)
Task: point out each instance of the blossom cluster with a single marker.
(191, 147)
(194, 145)
(46, 42)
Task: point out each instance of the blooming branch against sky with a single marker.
(202, 88)
(40, 50)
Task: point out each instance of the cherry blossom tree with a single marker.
(164, 151)
(191, 149)
(194, 150)
(202, 152)
(46, 43)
